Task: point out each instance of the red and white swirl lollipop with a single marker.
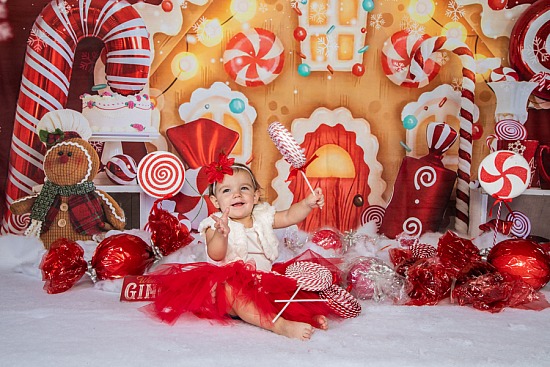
(504, 74)
(254, 57)
(504, 174)
(341, 301)
(521, 225)
(374, 213)
(289, 148)
(510, 130)
(161, 174)
(309, 276)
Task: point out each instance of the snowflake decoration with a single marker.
(399, 66)
(377, 21)
(416, 31)
(197, 26)
(184, 5)
(454, 11)
(517, 147)
(442, 58)
(406, 22)
(36, 40)
(5, 31)
(263, 7)
(327, 46)
(538, 52)
(456, 84)
(87, 61)
(318, 13)
(64, 7)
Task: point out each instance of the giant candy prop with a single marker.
(47, 72)
(411, 63)
(422, 188)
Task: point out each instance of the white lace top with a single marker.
(266, 248)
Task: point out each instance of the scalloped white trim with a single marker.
(34, 228)
(89, 172)
(25, 198)
(113, 210)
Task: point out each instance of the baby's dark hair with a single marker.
(237, 167)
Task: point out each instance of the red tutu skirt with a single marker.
(200, 288)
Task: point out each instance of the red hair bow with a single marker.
(216, 170)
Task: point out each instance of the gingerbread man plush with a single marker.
(68, 204)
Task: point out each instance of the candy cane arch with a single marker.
(419, 72)
(47, 72)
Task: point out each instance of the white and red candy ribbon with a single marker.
(47, 73)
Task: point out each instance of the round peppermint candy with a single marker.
(504, 174)
(121, 169)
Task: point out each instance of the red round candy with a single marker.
(327, 239)
(121, 255)
(167, 6)
(300, 34)
(477, 131)
(522, 258)
(497, 4)
(358, 69)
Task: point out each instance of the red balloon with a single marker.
(477, 131)
(121, 255)
(62, 266)
(358, 69)
(497, 4)
(300, 34)
(522, 258)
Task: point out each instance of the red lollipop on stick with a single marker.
(289, 148)
(310, 276)
(341, 301)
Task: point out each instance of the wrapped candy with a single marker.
(115, 257)
(523, 258)
(456, 252)
(422, 188)
(371, 278)
(327, 238)
(428, 282)
(168, 234)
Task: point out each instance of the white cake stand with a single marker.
(113, 141)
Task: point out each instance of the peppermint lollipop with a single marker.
(504, 175)
(289, 148)
(161, 174)
(341, 301)
(310, 276)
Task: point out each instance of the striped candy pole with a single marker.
(47, 72)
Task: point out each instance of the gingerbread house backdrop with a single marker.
(355, 82)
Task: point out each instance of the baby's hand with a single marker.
(221, 225)
(317, 200)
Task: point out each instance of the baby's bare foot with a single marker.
(293, 329)
(322, 322)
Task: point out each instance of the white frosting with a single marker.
(113, 113)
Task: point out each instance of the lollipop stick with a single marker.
(496, 224)
(301, 300)
(307, 182)
(288, 303)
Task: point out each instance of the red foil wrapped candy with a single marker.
(522, 258)
(168, 234)
(115, 257)
(428, 282)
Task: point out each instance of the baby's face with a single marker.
(237, 193)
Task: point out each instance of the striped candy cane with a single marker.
(47, 72)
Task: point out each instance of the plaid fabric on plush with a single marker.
(86, 213)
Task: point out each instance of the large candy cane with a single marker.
(47, 72)
(419, 72)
